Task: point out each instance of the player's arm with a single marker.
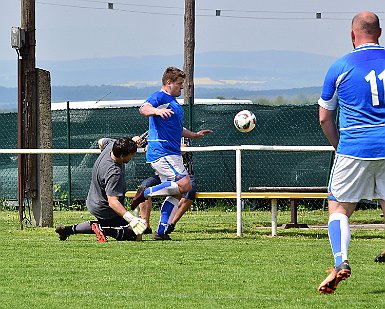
(103, 142)
(328, 124)
(148, 110)
(190, 134)
(138, 225)
(116, 206)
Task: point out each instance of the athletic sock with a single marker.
(169, 207)
(81, 228)
(167, 188)
(339, 236)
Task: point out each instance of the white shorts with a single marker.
(352, 180)
(169, 168)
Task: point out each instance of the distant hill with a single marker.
(217, 74)
(262, 70)
(8, 96)
(83, 93)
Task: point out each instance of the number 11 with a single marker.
(371, 78)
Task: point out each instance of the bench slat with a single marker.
(257, 195)
(288, 189)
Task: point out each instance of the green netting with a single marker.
(215, 171)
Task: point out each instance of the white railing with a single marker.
(238, 162)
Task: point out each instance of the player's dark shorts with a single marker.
(155, 180)
(117, 228)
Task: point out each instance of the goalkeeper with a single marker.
(187, 199)
(106, 196)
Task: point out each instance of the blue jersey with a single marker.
(164, 136)
(355, 84)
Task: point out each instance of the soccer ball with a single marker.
(244, 121)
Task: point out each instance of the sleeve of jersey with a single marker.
(153, 100)
(114, 184)
(107, 141)
(329, 96)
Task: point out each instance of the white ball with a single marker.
(244, 121)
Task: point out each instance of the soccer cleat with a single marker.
(170, 228)
(138, 198)
(329, 285)
(148, 230)
(161, 236)
(60, 229)
(380, 258)
(100, 234)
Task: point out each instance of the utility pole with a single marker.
(27, 107)
(189, 49)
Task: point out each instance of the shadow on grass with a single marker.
(377, 292)
(368, 236)
(259, 232)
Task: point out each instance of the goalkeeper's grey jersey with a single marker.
(108, 179)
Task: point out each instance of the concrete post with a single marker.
(42, 205)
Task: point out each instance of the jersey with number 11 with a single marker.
(355, 84)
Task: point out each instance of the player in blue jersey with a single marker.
(163, 151)
(187, 199)
(354, 85)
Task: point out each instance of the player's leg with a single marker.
(169, 188)
(65, 231)
(117, 228)
(171, 171)
(175, 180)
(380, 192)
(351, 180)
(88, 227)
(145, 212)
(382, 203)
(167, 211)
(339, 229)
(339, 238)
(184, 205)
(381, 257)
(146, 206)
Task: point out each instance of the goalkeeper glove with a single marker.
(138, 225)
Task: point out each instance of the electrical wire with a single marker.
(224, 12)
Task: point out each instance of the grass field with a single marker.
(205, 266)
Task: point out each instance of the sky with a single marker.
(78, 29)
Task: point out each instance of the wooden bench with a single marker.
(273, 194)
(293, 194)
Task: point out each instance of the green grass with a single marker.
(205, 266)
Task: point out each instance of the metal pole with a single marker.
(69, 156)
(238, 181)
(273, 217)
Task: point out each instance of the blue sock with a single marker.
(165, 213)
(339, 237)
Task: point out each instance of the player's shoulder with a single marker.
(342, 61)
(104, 142)
(340, 66)
(159, 97)
(165, 97)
